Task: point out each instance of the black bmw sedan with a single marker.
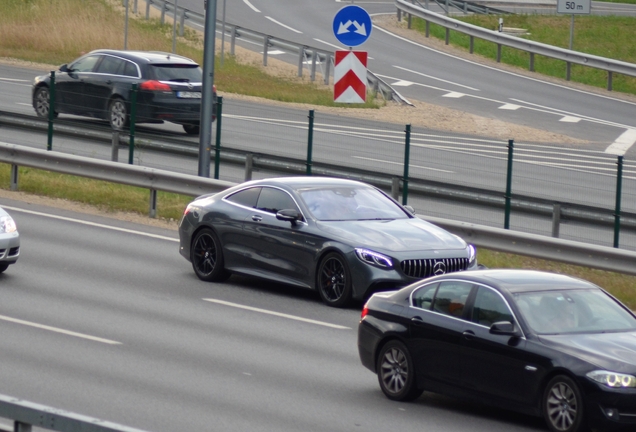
(99, 85)
(535, 342)
(344, 238)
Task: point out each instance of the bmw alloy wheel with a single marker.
(563, 405)
(396, 374)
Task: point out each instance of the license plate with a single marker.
(188, 95)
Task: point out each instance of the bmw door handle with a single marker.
(257, 218)
(468, 335)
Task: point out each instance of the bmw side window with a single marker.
(246, 197)
(451, 298)
(423, 297)
(85, 64)
(490, 308)
(274, 200)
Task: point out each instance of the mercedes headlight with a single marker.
(472, 255)
(613, 379)
(7, 224)
(374, 258)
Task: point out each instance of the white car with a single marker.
(9, 241)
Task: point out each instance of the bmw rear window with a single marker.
(176, 72)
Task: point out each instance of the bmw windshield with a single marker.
(349, 204)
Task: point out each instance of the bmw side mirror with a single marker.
(410, 209)
(288, 215)
(505, 328)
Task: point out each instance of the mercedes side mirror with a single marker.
(288, 215)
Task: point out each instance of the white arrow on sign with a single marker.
(360, 29)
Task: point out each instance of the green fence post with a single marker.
(133, 115)
(511, 145)
(407, 156)
(217, 147)
(49, 143)
(619, 191)
(310, 140)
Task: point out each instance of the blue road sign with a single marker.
(352, 25)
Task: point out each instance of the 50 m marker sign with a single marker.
(350, 77)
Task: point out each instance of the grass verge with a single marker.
(604, 36)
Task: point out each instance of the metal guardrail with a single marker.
(502, 39)
(533, 245)
(316, 57)
(28, 414)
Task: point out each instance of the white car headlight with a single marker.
(7, 224)
(613, 379)
(472, 255)
(374, 258)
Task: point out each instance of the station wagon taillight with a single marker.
(153, 85)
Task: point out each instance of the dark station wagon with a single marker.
(99, 85)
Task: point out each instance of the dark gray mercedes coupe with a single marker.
(344, 238)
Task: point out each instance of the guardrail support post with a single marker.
(163, 12)
(407, 156)
(114, 153)
(182, 23)
(531, 62)
(327, 69)
(233, 41)
(249, 164)
(21, 427)
(148, 9)
(556, 220)
(314, 56)
(14, 177)
(49, 142)
(399, 15)
(395, 188)
(471, 44)
(310, 140)
(217, 146)
(428, 28)
(498, 53)
(135, 4)
(133, 116)
(511, 145)
(409, 20)
(609, 80)
(265, 46)
(447, 36)
(153, 204)
(301, 59)
(568, 71)
(619, 191)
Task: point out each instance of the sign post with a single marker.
(352, 27)
(574, 7)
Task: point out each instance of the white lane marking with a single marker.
(58, 330)
(283, 25)
(275, 52)
(329, 44)
(94, 224)
(570, 119)
(501, 70)
(13, 79)
(400, 163)
(278, 314)
(454, 95)
(622, 143)
(509, 107)
(247, 2)
(402, 83)
(435, 78)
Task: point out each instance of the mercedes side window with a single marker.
(423, 297)
(451, 298)
(489, 307)
(246, 197)
(274, 200)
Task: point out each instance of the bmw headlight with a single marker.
(7, 224)
(374, 258)
(613, 379)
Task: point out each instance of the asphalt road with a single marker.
(104, 318)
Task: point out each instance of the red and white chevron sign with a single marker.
(350, 77)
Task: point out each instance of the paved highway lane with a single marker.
(104, 318)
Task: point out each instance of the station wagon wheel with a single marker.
(396, 373)
(207, 257)
(41, 102)
(334, 281)
(191, 129)
(117, 114)
(563, 405)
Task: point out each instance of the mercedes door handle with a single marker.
(257, 218)
(468, 335)
(417, 321)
